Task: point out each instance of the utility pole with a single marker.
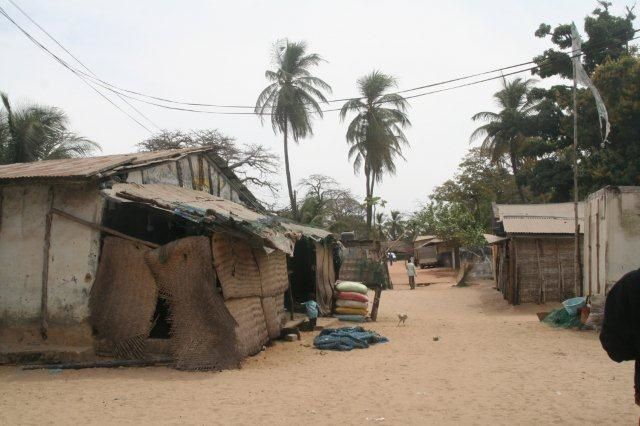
(576, 267)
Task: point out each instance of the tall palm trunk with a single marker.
(292, 197)
(514, 168)
(369, 209)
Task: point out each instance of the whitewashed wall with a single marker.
(612, 237)
(73, 255)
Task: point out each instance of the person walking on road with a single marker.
(411, 272)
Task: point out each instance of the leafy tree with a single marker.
(451, 222)
(37, 132)
(506, 132)
(327, 205)
(252, 163)
(292, 98)
(376, 132)
(477, 183)
(613, 66)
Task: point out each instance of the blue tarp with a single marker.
(347, 338)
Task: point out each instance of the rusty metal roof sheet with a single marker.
(493, 239)
(539, 225)
(83, 168)
(538, 210)
(209, 209)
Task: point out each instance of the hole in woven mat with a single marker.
(162, 327)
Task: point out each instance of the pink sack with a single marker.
(350, 295)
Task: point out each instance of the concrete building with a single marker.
(612, 237)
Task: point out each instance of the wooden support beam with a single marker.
(103, 228)
(376, 303)
(44, 301)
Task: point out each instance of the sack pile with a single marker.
(351, 301)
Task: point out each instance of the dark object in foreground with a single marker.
(101, 364)
(620, 335)
(347, 338)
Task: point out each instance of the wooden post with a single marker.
(376, 303)
(587, 219)
(516, 289)
(543, 286)
(560, 272)
(44, 302)
(598, 248)
(577, 283)
(103, 228)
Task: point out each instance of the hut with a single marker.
(611, 237)
(128, 255)
(447, 254)
(533, 251)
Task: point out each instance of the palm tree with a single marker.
(394, 225)
(291, 98)
(505, 131)
(37, 133)
(376, 133)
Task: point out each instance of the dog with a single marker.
(402, 318)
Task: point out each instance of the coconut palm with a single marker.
(504, 134)
(292, 98)
(376, 132)
(394, 225)
(36, 132)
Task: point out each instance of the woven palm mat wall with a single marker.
(123, 297)
(274, 314)
(202, 329)
(273, 272)
(325, 277)
(236, 267)
(252, 328)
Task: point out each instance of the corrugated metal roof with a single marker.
(423, 238)
(83, 168)
(206, 208)
(539, 225)
(67, 168)
(538, 210)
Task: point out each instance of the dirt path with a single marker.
(492, 364)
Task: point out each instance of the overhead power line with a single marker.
(129, 93)
(37, 43)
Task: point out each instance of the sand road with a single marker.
(492, 364)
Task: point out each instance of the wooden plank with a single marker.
(179, 174)
(560, 274)
(103, 228)
(193, 177)
(44, 302)
(200, 173)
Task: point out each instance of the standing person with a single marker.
(390, 258)
(411, 272)
(620, 335)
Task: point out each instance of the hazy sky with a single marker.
(217, 52)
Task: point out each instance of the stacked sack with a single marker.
(351, 301)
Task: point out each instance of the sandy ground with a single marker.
(492, 364)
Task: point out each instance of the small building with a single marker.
(534, 255)
(611, 237)
(149, 252)
(446, 253)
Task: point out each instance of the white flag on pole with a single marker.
(583, 78)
